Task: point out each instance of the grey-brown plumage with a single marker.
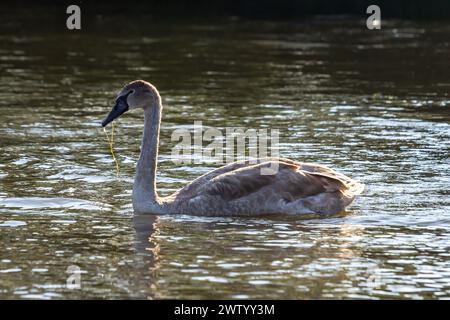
(236, 189)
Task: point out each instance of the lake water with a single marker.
(372, 104)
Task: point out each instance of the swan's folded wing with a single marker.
(292, 181)
(289, 182)
(244, 181)
(193, 188)
(351, 186)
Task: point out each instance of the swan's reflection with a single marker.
(147, 249)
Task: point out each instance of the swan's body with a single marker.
(236, 189)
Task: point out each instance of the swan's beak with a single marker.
(120, 108)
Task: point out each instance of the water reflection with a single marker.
(147, 249)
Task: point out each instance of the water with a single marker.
(372, 104)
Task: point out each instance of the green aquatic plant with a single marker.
(111, 147)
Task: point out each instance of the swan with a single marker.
(236, 189)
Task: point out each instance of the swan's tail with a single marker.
(355, 187)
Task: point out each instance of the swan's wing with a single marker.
(192, 188)
(352, 186)
(293, 180)
(290, 182)
(244, 181)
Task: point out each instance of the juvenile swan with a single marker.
(236, 189)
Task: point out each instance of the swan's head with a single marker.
(136, 94)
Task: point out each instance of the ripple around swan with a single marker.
(32, 203)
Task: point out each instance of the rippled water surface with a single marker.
(372, 104)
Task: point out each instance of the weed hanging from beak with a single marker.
(111, 149)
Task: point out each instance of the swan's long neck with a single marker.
(144, 189)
